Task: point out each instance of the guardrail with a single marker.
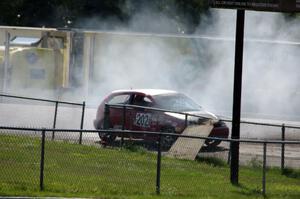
(283, 134)
(159, 145)
(56, 102)
(264, 124)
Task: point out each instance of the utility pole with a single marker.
(237, 93)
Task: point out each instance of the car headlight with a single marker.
(198, 120)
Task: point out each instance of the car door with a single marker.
(142, 118)
(118, 115)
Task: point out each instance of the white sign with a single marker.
(261, 5)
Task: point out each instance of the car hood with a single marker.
(201, 114)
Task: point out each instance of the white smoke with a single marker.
(203, 68)
(271, 72)
(200, 67)
(197, 67)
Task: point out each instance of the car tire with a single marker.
(106, 138)
(168, 141)
(212, 143)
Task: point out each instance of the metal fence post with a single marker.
(82, 121)
(158, 165)
(186, 121)
(106, 117)
(229, 154)
(264, 169)
(123, 125)
(42, 160)
(282, 148)
(54, 121)
(6, 61)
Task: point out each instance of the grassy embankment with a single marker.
(73, 170)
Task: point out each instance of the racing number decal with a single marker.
(143, 119)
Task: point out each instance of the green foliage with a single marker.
(255, 163)
(215, 162)
(291, 173)
(67, 13)
(134, 148)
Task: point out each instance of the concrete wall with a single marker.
(42, 116)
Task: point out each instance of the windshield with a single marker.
(176, 102)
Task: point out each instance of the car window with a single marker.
(119, 99)
(141, 100)
(176, 102)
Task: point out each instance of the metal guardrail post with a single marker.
(82, 121)
(264, 170)
(42, 160)
(123, 125)
(54, 120)
(186, 120)
(282, 148)
(158, 168)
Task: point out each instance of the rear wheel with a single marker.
(107, 138)
(212, 143)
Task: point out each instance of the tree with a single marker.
(67, 13)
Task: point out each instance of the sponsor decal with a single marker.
(31, 57)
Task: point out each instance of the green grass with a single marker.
(73, 170)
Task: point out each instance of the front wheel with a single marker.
(168, 140)
(107, 138)
(212, 143)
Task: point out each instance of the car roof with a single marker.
(150, 92)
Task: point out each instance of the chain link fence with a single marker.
(20, 159)
(69, 159)
(135, 167)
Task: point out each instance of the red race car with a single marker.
(143, 119)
